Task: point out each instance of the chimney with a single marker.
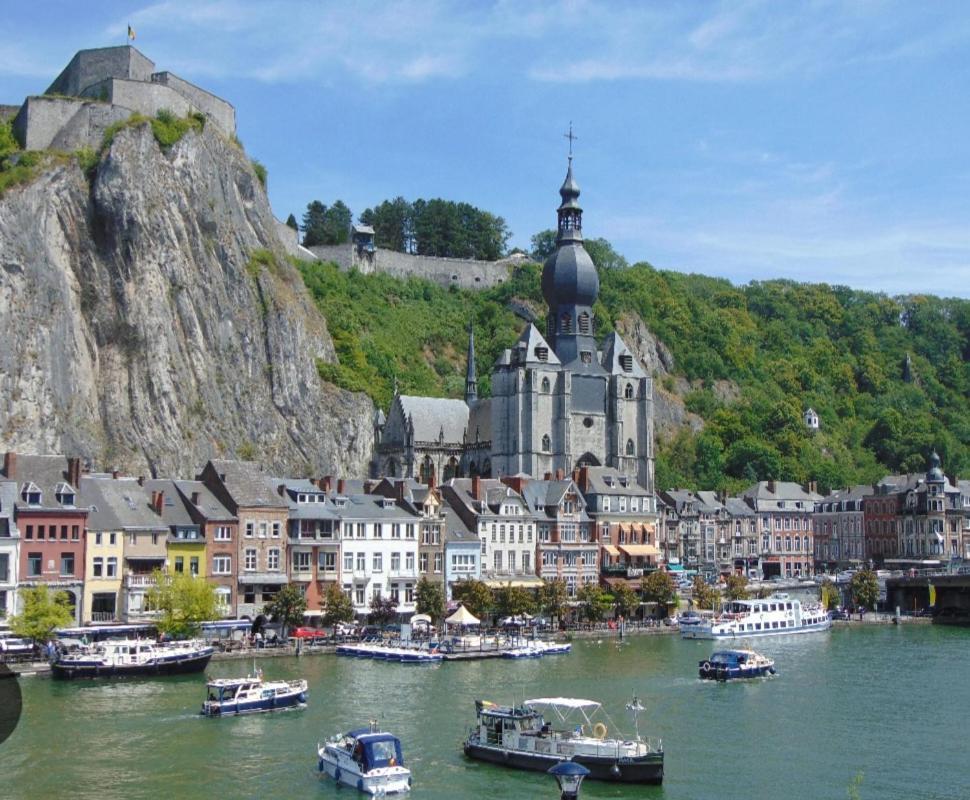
(584, 477)
(158, 501)
(154, 497)
(515, 482)
(74, 472)
(10, 464)
(813, 487)
(772, 485)
(560, 474)
(141, 480)
(340, 486)
(576, 476)
(281, 490)
(325, 483)
(195, 498)
(476, 487)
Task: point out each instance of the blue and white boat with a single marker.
(132, 657)
(228, 697)
(727, 665)
(778, 615)
(367, 759)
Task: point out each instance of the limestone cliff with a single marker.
(149, 321)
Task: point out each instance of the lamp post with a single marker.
(569, 775)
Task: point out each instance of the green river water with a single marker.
(888, 702)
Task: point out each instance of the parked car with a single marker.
(839, 613)
(13, 646)
(310, 634)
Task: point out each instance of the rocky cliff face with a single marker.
(149, 321)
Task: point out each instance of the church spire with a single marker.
(471, 378)
(570, 213)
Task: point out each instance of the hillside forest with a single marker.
(888, 376)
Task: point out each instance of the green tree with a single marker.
(383, 610)
(184, 601)
(553, 598)
(702, 594)
(513, 601)
(543, 245)
(475, 596)
(593, 602)
(865, 589)
(392, 223)
(292, 223)
(829, 595)
(737, 587)
(43, 611)
(429, 599)
(315, 224)
(603, 255)
(336, 224)
(658, 587)
(287, 607)
(337, 607)
(626, 601)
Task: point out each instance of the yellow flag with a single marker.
(932, 595)
(131, 32)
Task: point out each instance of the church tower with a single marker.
(471, 378)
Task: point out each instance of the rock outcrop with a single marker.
(148, 319)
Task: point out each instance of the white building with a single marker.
(9, 550)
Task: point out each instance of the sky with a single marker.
(814, 141)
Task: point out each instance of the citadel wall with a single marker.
(465, 273)
(91, 66)
(218, 109)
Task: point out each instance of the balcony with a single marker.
(403, 573)
(621, 571)
(144, 580)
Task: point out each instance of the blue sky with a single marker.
(816, 141)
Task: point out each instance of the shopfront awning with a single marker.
(640, 550)
(524, 581)
(610, 550)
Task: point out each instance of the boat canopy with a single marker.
(374, 750)
(570, 703)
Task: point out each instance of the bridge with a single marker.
(943, 594)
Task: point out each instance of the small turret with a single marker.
(471, 378)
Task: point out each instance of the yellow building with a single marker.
(104, 550)
(185, 543)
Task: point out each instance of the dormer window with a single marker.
(387, 503)
(542, 353)
(31, 494)
(586, 356)
(64, 494)
(301, 498)
(623, 479)
(340, 502)
(626, 362)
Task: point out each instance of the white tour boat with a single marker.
(769, 616)
(367, 759)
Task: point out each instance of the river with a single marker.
(884, 702)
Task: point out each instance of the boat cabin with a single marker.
(496, 721)
(373, 750)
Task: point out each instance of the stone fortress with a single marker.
(107, 85)
(559, 402)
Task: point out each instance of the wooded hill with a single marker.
(888, 376)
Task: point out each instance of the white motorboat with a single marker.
(367, 759)
(251, 695)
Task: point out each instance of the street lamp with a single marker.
(569, 775)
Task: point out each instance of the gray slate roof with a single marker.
(208, 506)
(47, 473)
(174, 511)
(598, 477)
(613, 348)
(247, 484)
(543, 497)
(787, 492)
(434, 417)
(119, 503)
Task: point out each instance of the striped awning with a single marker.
(639, 549)
(610, 550)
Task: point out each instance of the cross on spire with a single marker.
(571, 138)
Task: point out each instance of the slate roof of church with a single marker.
(433, 415)
(613, 348)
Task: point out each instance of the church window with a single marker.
(586, 356)
(630, 449)
(584, 326)
(545, 389)
(546, 444)
(542, 353)
(628, 391)
(587, 422)
(626, 362)
(566, 323)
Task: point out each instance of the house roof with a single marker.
(119, 503)
(174, 510)
(47, 473)
(544, 497)
(208, 506)
(782, 496)
(247, 484)
(599, 478)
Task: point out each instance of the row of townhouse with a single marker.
(902, 520)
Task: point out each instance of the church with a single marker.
(559, 401)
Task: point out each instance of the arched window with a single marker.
(451, 469)
(628, 391)
(487, 469)
(630, 449)
(427, 469)
(546, 443)
(544, 386)
(391, 470)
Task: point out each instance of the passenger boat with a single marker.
(726, 665)
(769, 616)
(546, 731)
(367, 759)
(132, 657)
(252, 695)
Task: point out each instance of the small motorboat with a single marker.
(727, 665)
(367, 759)
(228, 697)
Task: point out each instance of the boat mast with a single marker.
(635, 707)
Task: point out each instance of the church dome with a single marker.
(569, 277)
